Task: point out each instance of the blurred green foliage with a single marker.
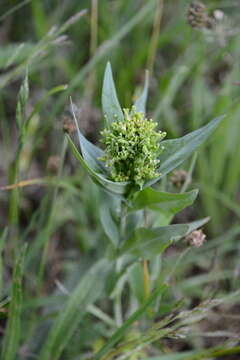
(194, 77)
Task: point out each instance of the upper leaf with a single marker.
(110, 104)
(90, 152)
(178, 150)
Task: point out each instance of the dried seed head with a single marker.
(197, 16)
(196, 238)
(179, 177)
(68, 125)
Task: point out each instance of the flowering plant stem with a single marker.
(118, 298)
(134, 158)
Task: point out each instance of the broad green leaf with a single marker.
(178, 150)
(163, 201)
(110, 104)
(88, 290)
(13, 329)
(147, 243)
(119, 334)
(118, 188)
(140, 103)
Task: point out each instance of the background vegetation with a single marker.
(194, 77)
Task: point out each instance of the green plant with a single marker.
(61, 303)
(131, 203)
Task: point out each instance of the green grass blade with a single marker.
(2, 243)
(134, 317)
(12, 334)
(89, 289)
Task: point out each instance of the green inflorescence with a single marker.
(132, 148)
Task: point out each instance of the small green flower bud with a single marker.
(132, 148)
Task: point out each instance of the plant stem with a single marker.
(146, 276)
(146, 279)
(118, 300)
(14, 196)
(98, 313)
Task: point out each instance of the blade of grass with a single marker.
(2, 243)
(88, 290)
(13, 330)
(122, 330)
(14, 201)
(13, 9)
(40, 50)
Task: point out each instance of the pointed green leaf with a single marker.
(178, 150)
(140, 103)
(108, 207)
(110, 104)
(13, 329)
(91, 153)
(147, 243)
(194, 225)
(163, 201)
(118, 188)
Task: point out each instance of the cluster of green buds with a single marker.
(132, 148)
